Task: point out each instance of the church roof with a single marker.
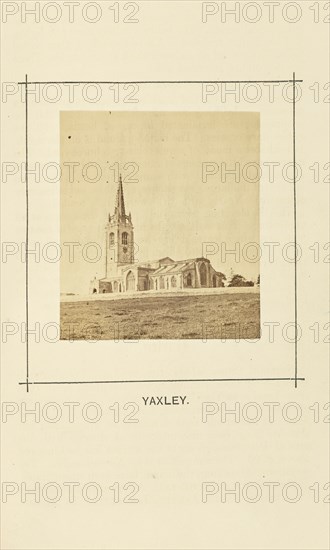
(167, 259)
(177, 267)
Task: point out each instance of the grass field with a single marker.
(224, 316)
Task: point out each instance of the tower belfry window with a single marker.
(124, 238)
(111, 239)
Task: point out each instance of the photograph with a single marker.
(160, 225)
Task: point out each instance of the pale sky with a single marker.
(173, 211)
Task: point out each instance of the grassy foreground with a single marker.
(225, 316)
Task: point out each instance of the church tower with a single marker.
(119, 236)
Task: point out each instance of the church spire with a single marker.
(119, 236)
(120, 204)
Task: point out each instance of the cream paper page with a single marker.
(165, 255)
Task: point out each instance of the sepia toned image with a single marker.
(160, 225)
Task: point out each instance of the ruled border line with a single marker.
(26, 83)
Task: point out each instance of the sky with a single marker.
(173, 210)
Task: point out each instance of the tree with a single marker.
(239, 280)
(222, 278)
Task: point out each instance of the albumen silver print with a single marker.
(165, 206)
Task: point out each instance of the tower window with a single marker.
(111, 239)
(124, 238)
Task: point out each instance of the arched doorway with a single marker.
(161, 282)
(130, 281)
(173, 282)
(189, 279)
(214, 281)
(202, 273)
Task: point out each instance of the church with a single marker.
(123, 274)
